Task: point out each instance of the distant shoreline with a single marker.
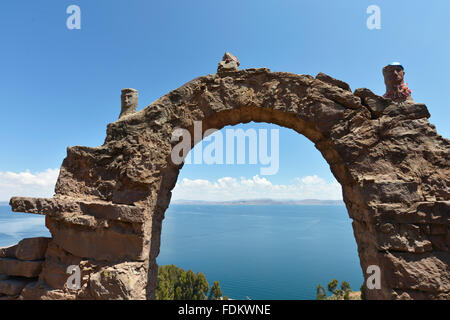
(257, 202)
(262, 202)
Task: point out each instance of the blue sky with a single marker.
(61, 87)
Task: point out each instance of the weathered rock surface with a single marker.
(394, 168)
(15, 267)
(8, 252)
(335, 82)
(123, 281)
(229, 63)
(32, 248)
(116, 230)
(12, 286)
(374, 103)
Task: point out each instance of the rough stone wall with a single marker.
(107, 212)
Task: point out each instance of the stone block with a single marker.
(32, 248)
(8, 252)
(13, 286)
(16, 267)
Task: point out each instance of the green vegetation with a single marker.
(321, 293)
(177, 284)
(363, 289)
(342, 293)
(216, 292)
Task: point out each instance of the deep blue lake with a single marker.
(260, 252)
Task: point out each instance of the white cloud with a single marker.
(228, 188)
(38, 184)
(42, 184)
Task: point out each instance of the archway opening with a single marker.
(262, 236)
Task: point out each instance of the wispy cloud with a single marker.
(228, 188)
(38, 184)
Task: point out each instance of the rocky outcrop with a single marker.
(106, 215)
(21, 265)
(229, 63)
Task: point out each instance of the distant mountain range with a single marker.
(262, 202)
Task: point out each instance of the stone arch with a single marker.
(109, 202)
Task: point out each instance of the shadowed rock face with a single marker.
(394, 170)
(20, 265)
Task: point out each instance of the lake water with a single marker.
(260, 252)
(16, 226)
